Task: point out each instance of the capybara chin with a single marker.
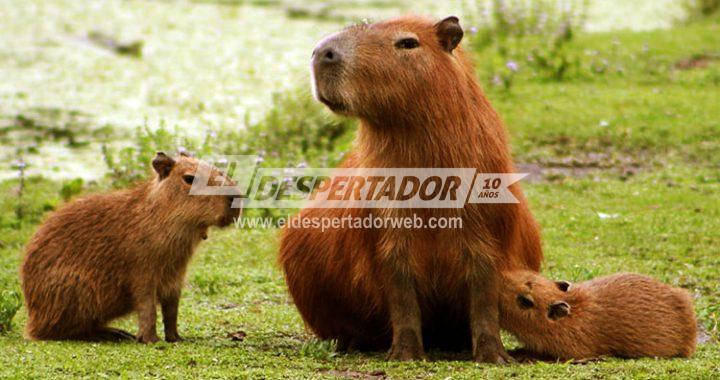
(104, 256)
(624, 315)
(420, 106)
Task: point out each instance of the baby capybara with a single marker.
(624, 315)
(101, 257)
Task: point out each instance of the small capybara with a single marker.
(624, 315)
(103, 256)
(419, 103)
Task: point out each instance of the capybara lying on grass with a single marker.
(103, 256)
(420, 106)
(625, 315)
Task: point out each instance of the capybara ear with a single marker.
(449, 33)
(558, 309)
(563, 285)
(162, 164)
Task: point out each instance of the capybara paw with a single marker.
(147, 338)
(406, 347)
(405, 354)
(173, 337)
(494, 356)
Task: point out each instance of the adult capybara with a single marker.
(104, 256)
(625, 315)
(420, 106)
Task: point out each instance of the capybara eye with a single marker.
(407, 43)
(189, 179)
(525, 302)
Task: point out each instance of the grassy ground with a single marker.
(626, 178)
(662, 223)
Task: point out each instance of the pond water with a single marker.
(204, 65)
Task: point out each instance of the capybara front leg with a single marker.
(147, 318)
(405, 318)
(484, 326)
(170, 305)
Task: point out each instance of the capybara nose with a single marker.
(330, 56)
(326, 56)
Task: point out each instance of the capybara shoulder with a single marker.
(625, 315)
(103, 256)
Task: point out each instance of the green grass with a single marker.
(648, 109)
(641, 146)
(667, 225)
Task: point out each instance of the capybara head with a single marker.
(389, 68)
(175, 177)
(533, 298)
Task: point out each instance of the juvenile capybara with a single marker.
(104, 256)
(624, 315)
(420, 106)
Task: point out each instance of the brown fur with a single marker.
(625, 315)
(371, 288)
(103, 256)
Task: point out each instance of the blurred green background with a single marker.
(612, 106)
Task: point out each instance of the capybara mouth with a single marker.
(230, 216)
(226, 222)
(334, 106)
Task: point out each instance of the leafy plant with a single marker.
(130, 164)
(71, 188)
(10, 303)
(295, 131)
(319, 349)
(532, 33)
(553, 58)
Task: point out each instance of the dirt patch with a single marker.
(703, 335)
(696, 62)
(582, 166)
(237, 336)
